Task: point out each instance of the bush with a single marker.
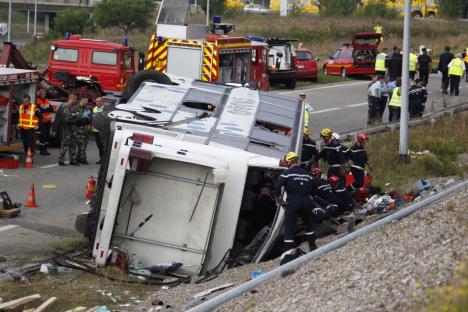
(453, 8)
(436, 166)
(439, 147)
(338, 7)
(75, 21)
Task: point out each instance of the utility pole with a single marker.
(405, 82)
(9, 21)
(35, 19)
(283, 7)
(207, 12)
(27, 26)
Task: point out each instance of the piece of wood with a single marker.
(93, 309)
(44, 306)
(77, 309)
(9, 213)
(19, 301)
(212, 290)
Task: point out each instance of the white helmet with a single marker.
(336, 136)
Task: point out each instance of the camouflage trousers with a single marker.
(82, 134)
(68, 143)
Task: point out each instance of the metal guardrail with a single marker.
(243, 288)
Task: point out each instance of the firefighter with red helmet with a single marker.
(321, 192)
(332, 153)
(340, 196)
(358, 156)
(297, 183)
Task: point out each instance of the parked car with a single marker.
(357, 58)
(306, 64)
(253, 8)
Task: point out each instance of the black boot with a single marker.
(312, 244)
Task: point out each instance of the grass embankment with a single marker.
(446, 140)
(322, 34)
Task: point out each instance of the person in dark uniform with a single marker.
(445, 59)
(395, 64)
(297, 184)
(45, 122)
(358, 156)
(340, 196)
(424, 66)
(309, 150)
(332, 154)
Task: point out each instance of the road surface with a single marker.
(341, 106)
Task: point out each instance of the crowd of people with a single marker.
(385, 87)
(73, 124)
(314, 198)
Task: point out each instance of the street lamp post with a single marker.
(9, 21)
(405, 82)
(35, 18)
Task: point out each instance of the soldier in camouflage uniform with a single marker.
(66, 119)
(82, 129)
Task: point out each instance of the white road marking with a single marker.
(7, 227)
(358, 104)
(49, 166)
(326, 110)
(326, 87)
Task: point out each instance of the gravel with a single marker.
(389, 269)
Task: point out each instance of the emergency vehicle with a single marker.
(419, 8)
(188, 51)
(185, 163)
(14, 84)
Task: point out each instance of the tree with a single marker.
(75, 21)
(125, 14)
(453, 8)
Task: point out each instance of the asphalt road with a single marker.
(341, 106)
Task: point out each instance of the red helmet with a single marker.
(334, 180)
(362, 137)
(316, 171)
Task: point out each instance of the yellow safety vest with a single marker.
(466, 55)
(28, 118)
(378, 29)
(457, 67)
(380, 62)
(95, 111)
(412, 62)
(396, 99)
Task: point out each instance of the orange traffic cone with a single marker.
(28, 163)
(31, 203)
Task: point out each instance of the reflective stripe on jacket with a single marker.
(457, 67)
(46, 116)
(380, 62)
(28, 118)
(413, 59)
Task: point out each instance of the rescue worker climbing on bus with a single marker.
(359, 160)
(28, 123)
(45, 121)
(332, 154)
(307, 109)
(309, 150)
(82, 129)
(297, 183)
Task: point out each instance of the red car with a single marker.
(306, 64)
(357, 58)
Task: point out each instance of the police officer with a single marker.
(413, 63)
(381, 63)
(82, 129)
(297, 183)
(456, 70)
(309, 150)
(331, 153)
(97, 137)
(67, 116)
(445, 59)
(358, 156)
(28, 122)
(45, 122)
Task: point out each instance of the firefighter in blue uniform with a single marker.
(298, 184)
(358, 156)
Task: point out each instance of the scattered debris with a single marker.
(255, 274)
(20, 301)
(45, 305)
(212, 290)
(79, 309)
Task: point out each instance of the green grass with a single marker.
(445, 140)
(67, 245)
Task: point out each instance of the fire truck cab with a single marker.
(205, 53)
